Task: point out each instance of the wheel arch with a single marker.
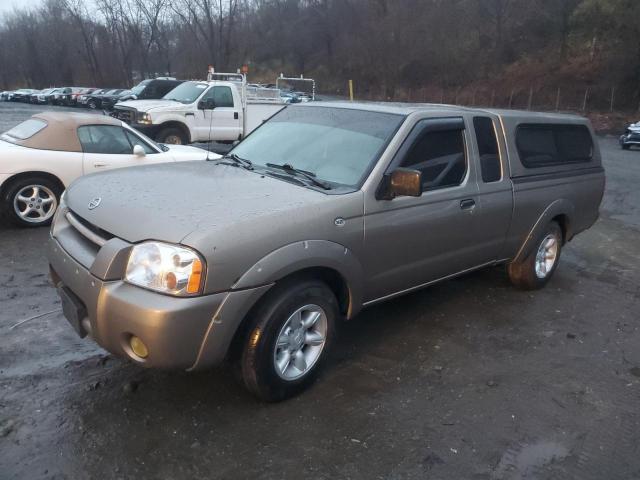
(35, 173)
(560, 211)
(331, 262)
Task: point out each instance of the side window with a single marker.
(223, 96)
(487, 149)
(109, 139)
(574, 143)
(541, 145)
(135, 140)
(440, 156)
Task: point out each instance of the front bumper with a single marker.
(184, 333)
(630, 139)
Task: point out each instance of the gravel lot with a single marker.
(469, 379)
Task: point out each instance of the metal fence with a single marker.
(546, 98)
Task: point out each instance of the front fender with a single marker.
(306, 254)
(561, 206)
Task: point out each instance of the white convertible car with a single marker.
(40, 157)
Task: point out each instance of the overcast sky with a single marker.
(7, 5)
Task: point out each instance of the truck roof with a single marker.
(409, 108)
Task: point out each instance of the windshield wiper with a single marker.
(287, 167)
(243, 162)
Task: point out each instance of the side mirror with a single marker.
(402, 182)
(138, 151)
(208, 104)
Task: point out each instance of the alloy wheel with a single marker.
(35, 203)
(546, 256)
(300, 342)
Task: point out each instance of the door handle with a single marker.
(98, 165)
(468, 204)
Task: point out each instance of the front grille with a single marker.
(92, 233)
(124, 114)
(632, 136)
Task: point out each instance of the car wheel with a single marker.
(31, 202)
(172, 136)
(626, 147)
(535, 271)
(289, 337)
(92, 105)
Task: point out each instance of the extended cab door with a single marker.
(495, 190)
(110, 146)
(410, 241)
(223, 121)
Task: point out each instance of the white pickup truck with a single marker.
(202, 111)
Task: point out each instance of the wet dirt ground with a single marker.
(469, 379)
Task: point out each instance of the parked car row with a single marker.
(93, 98)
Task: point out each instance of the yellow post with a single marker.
(351, 90)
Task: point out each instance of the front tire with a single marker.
(536, 270)
(625, 147)
(31, 201)
(289, 337)
(172, 136)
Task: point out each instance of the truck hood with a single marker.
(151, 105)
(169, 201)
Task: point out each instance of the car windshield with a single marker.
(187, 92)
(337, 145)
(137, 90)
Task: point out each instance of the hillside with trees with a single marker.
(480, 51)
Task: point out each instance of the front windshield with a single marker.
(187, 92)
(337, 145)
(137, 90)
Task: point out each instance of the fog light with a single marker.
(138, 347)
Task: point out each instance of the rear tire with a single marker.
(289, 337)
(172, 136)
(31, 201)
(534, 272)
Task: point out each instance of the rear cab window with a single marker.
(488, 151)
(542, 145)
(24, 130)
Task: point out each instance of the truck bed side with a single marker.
(569, 193)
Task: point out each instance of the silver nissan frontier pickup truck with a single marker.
(323, 210)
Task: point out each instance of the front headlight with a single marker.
(144, 118)
(166, 268)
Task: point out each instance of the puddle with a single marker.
(525, 462)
